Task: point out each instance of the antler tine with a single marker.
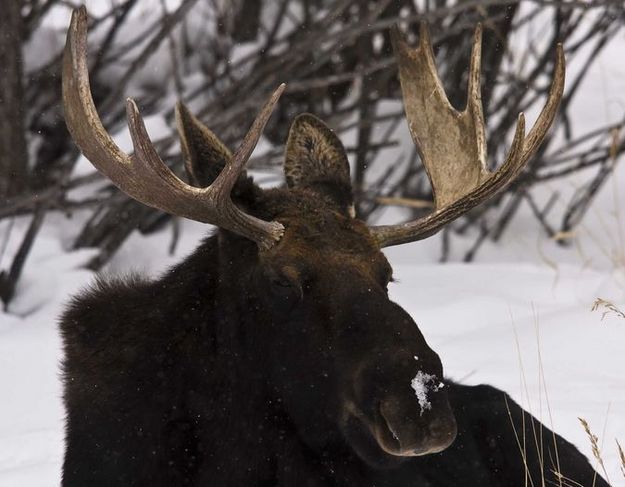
(213, 203)
(228, 177)
(81, 116)
(144, 176)
(452, 144)
(549, 111)
(149, 172)
(474, 98)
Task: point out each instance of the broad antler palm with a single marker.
(452, 144)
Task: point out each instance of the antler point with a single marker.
(478, 31)
(131, 106)
(279, 90)
(560, 51)
(80, 11)
(521, 124)
(424, 35)
(79, 18)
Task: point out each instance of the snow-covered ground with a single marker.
(518, 318)
(526, 327)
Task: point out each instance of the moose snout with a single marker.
(399, 393)
(414, 416)
(413, 433)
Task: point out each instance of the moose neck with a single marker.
(249, 427)
(208, 285)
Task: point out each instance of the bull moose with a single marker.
(272, 355)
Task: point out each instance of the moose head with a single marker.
(303, 301)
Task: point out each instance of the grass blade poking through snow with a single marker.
(608, 308)
(621, 456)
(594, 442)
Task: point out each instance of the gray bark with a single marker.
(13, 153)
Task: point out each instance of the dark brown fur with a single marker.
(287, 367)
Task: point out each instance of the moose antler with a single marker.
(143, 175)
(452, 144)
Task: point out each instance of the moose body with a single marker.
(273, 356)
(173, 382)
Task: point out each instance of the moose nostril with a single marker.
(442, 429)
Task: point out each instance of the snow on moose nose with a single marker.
(422, 384)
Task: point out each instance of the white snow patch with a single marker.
(518, 318)
(421, 387)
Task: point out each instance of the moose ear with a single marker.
(316, 159)
(205, 156)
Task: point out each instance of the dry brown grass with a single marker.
(560, 480)
(536, 426)
(607, 308)
(621, 456)
(596, 451)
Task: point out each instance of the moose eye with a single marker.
(281, 282)
(285, 284)
(289, 289)
(285, 293)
